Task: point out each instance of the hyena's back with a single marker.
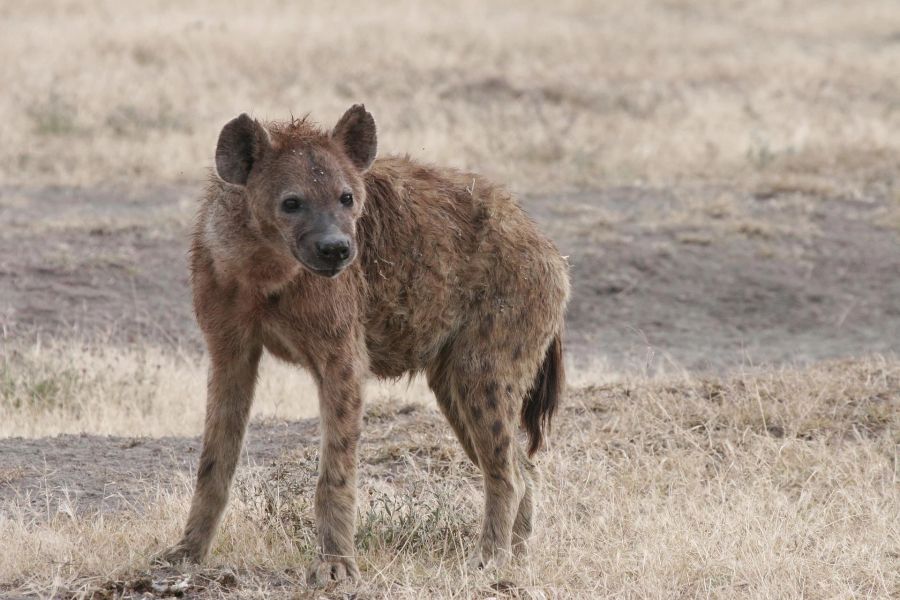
(453, 264)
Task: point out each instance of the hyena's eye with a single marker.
(291, 204)
(347, 199)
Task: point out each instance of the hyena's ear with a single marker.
(242, 143)
(355, 132)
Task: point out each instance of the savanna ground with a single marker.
(722, 176)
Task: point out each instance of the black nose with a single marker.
(333, 248)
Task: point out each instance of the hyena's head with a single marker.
(304, 186)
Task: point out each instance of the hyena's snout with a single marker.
(334, 248)
(327, 253)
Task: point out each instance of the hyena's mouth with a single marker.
(329, 273)
(321, 269)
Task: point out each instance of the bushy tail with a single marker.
(544, 396)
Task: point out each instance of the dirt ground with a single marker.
(696, 278)
(88, 473)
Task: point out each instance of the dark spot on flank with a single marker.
(497, 427)
(509, 388)
(517, 352)
(476, 413)
(487, 326)
(273, 298)
(206, 467)
(231, 292)
(480, 217)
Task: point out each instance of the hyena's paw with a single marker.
(520, 548)
(483, 560)
(333, 569)
(178, 554)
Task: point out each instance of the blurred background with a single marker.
(548, 97)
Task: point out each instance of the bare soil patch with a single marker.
(108, 473)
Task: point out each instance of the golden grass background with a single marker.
(542, 95)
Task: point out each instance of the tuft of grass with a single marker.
(26, 386)
(410, 522)
(54, 117)
(129, 121)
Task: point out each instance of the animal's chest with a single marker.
(302, 331)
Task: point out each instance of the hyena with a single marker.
(307, 246)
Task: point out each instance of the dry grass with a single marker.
(545, 96)
(779, 484)
(72, 388)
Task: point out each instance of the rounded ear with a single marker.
(355, 132)
(242, 143)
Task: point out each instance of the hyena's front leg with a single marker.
(232, 377)
(340, 407)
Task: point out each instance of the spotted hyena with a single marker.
(309, 248)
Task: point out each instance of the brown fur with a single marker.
(448, 277)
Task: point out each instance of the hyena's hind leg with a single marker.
(441, 382)
(481, 394)
(449, 403)
(503, 388)
(525, 473)
(485, 434)
(489, 408)
(524, 522)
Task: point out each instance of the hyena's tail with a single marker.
(544, 396)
